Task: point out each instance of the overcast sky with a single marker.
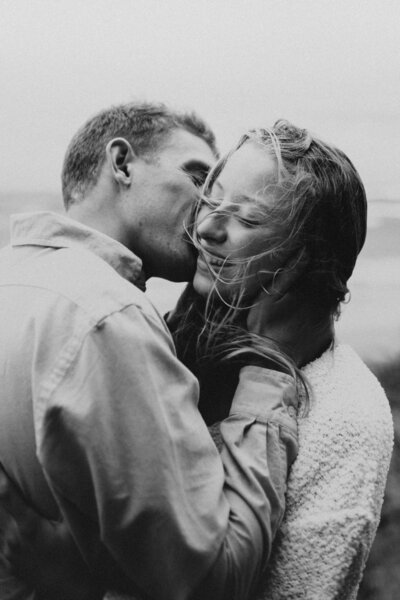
(330, 65)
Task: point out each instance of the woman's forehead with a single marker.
(248, 170)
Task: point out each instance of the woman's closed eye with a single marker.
(248, 218)
(248, 222)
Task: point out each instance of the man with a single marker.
(98, 419)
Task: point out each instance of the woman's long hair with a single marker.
(319, 209)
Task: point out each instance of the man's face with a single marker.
(163, 196)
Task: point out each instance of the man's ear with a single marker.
(120, 156)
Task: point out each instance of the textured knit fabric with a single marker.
(336, 486)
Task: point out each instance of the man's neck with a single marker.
(97, 215)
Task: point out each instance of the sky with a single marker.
(330, 66)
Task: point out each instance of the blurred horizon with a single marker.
(332, 67)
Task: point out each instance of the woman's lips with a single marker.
(212, 261)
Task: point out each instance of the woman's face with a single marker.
(229, 230)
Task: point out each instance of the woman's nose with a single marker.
(212, 226)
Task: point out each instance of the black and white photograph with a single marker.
(200, 300)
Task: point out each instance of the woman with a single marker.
(283, 209)
(283, 200)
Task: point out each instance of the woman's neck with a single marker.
(322, 332)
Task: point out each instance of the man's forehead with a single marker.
(181, 146)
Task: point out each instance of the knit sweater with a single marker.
(336, 485)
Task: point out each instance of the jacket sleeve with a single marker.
(137, 475)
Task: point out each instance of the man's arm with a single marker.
(246, 538)
(126, 452)
(137, 475)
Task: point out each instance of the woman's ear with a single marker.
(287, 276)
(121, 157)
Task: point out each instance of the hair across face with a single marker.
(238, 239)
(311, 202)
(278, 195)
(144, 125)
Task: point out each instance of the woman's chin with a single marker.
(204, 286)
(201, 284)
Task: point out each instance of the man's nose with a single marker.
(212, 227)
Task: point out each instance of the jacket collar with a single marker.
(49, 229)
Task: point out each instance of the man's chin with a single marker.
(184, 268)
(176, 267)
(179, 271)
(180, 275)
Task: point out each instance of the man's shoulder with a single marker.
(80, 278)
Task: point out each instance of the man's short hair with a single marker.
(144, 125)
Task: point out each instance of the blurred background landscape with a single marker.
(333, 67)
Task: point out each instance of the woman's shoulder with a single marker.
(345, 439)
(349, 413)
(336, 485)
(341, 380)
